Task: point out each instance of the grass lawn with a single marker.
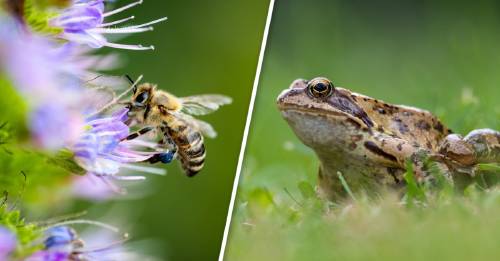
(440, 56)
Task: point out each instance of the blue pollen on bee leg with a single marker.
(166, 157)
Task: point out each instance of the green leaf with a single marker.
(491, 167)
(261, 196)
(65, 159)
(413, 190)
(28, 235)
(306, 190)
(345, 185)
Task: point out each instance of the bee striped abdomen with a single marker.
(191, 149)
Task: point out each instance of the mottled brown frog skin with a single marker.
(368, 140)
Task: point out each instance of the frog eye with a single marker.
(141, 98)
(320, 88)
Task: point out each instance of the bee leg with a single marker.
(167, 156)
(164, 157)
(138, 133)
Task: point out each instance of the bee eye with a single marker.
(142, 97)
(320, 88)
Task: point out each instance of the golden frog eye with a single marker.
(320, 87)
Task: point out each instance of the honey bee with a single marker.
(162, 112)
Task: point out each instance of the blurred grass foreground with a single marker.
(445, 227)
(441, 56)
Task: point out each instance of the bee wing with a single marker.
(203, 104)
(105, 92)
(204, 127)
(115, 83)
(95, 99)
(102, 89)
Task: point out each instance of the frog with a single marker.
(370, 144)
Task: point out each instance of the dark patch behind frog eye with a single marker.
(345, 104)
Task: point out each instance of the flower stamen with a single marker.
(151, 170)
(149, 23)
(117, 21)
(118, 10)
(125, 30)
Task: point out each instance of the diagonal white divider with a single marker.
(245, 133)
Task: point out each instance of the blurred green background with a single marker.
(204, 47)
(442, 56)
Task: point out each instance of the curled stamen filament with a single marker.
(111, 245)
(84, 221)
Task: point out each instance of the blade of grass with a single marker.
(345, 185)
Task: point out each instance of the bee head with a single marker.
(142, 94)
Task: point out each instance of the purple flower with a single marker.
(102, 150)
(59, 244)
(92, 188)
(53, 125)
(45, 255)
(7, 242)
(49, 77)
(63, 243)
(83, 22)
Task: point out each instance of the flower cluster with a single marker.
(47, 60)
(7, 242)
(50, 75)
(83, 22)
(103, 150)
(62, 242)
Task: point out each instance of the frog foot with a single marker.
(486, 145)
(462, 154)
(479, 146)
(427, 165)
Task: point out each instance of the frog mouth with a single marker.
(283, 107)
(288, 111)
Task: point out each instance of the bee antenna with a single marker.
(116, 99)
(134, 87)
(104, 248)
(129, 79)
(21, 193)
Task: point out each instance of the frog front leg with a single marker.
(423, 160)
(404, 151)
